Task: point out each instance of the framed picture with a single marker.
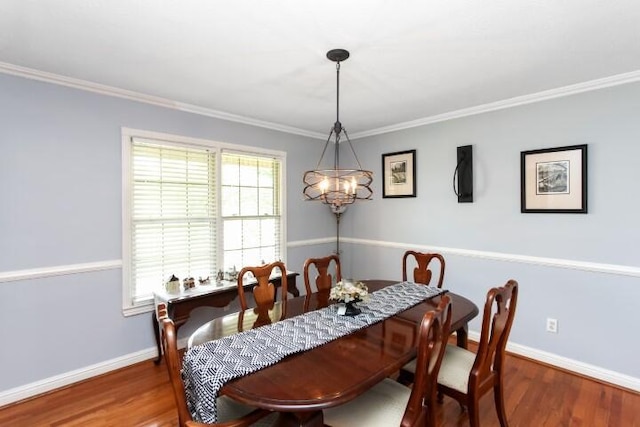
(399, 174)
(554, 180)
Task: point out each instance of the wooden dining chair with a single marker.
(422, 273)
(467, 376)
(390, 403)
(230, 412)
(323, 279)
(264, 292)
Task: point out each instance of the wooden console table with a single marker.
(180, 305)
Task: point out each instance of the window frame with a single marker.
(130, 308)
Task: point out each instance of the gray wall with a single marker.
(60, 192)
(557, 258)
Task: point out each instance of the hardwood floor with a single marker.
(140, 395)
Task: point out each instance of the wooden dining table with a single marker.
(301, 385)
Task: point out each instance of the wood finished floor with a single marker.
(140, 395)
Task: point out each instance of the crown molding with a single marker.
(546, 95)
(101, 89)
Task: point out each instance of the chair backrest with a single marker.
(174, 366)
(323, 279)
(173, 360)
(433, 336)
(499, 311)
(422, 273)
(264, 292)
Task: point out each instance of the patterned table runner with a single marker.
(207, 367)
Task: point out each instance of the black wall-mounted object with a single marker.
(463, 186)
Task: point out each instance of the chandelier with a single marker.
(338, 187)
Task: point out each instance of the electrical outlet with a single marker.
(552, 325)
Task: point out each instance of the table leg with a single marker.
(291, 284)
(462, 336)
(156, 331)
(300, 419)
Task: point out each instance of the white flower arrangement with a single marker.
(346, 291)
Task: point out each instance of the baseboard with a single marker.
(59, 381)
(68, 378)
(575, 366)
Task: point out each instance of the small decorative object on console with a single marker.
(233, 274)
(173, 285)
(188, 283)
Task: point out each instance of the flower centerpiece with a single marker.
(349, 292)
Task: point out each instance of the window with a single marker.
(192, 208)
(250, 210)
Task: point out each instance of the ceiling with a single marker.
(264, 61)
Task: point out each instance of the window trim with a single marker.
(128, 134)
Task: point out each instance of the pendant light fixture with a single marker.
(338, 187)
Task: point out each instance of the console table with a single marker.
(180, 305)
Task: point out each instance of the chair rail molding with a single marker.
(59, 270)
(617, 269)
(621, 270)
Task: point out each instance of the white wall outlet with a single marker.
(552, 325)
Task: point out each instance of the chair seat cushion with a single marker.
(456, 367)
(381, 406)
(229, 409)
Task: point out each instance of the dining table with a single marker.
(301, 385)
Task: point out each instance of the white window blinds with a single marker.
(173, 213)
(192, 208)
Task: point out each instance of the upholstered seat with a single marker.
(390, 403)
(467, 376)
(455, 373)
(381, 406)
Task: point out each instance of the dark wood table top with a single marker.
(305, 383)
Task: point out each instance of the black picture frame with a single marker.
(399, 174)
(554, 180)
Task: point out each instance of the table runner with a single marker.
(208, 366)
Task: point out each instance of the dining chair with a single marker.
(264, 292)
(467, 376)
(230, 412)
(390, 403)
(323, 279)
(422, 273)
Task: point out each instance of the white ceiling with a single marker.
(411, 61)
